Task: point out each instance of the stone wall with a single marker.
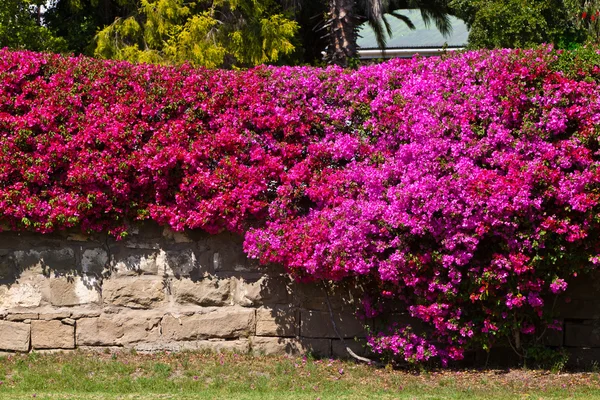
(162, 290)
(579, 312)
(158, 290)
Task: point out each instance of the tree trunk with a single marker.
(342, 32)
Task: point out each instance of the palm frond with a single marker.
(380, 35)
(388, 27)
(440, 19)
(404, 19)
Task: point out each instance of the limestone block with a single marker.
(311, 296)
(206, 292)
(317, 324)
(266, 290)
(176, 237)
(54, 315)
(22, 316)
(52, 335)
(277, 321)
(290, 346)
(177, 328)
(8, 266)
(583, 358)
(73, 291)
(101, 349)
(153, 347)
(86, 312)
(400, 319)
(217, 345)
(22, 295)
(94, 260)
(14, 336)
(143, 235)
(119, 329)
(97, 332)
(181, 263)
(136, 262)
(584, 287)
(134, 292)
(577, 308)
(225, 346)
(50, 259)
(582, 334)
(139, 327)
(226, 322)
(224, 253)
(77, 237)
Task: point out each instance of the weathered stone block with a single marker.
(8, 266)
(401, 319)
(22, 316)
(584, 287)
(583, 357)
(277, 321)
(583, 334)
(182, 263)
(182, 327)
(225, 346)
(578, 308)
(86, 312)
(146, 235)
(317, 324)
(47, 316)
(313, 297)
(153, 347)
(136, 262)
(134, 292)
(282, 346)
(14, 336)
(77, 237)
(52, 335)
(73, 291)
(265, 290)
(97, 332)
(224, 253)
(94, 260)
(21, 295)
(119, 329)
(50, 259)
(206, 292)
(229, 322)
(176, 237)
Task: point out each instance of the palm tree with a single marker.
(346, 15)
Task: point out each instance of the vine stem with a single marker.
(337, 332)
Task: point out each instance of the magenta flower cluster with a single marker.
(465, 187)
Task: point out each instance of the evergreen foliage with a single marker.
(519, 23)
(204, 33)
(21, 28)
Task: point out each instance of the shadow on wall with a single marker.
(163, 290)
(193, 287)
(40, 269)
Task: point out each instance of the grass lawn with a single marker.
(232, 376)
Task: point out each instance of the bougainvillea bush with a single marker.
(464, 187)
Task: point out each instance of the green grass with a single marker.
(233, 376)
